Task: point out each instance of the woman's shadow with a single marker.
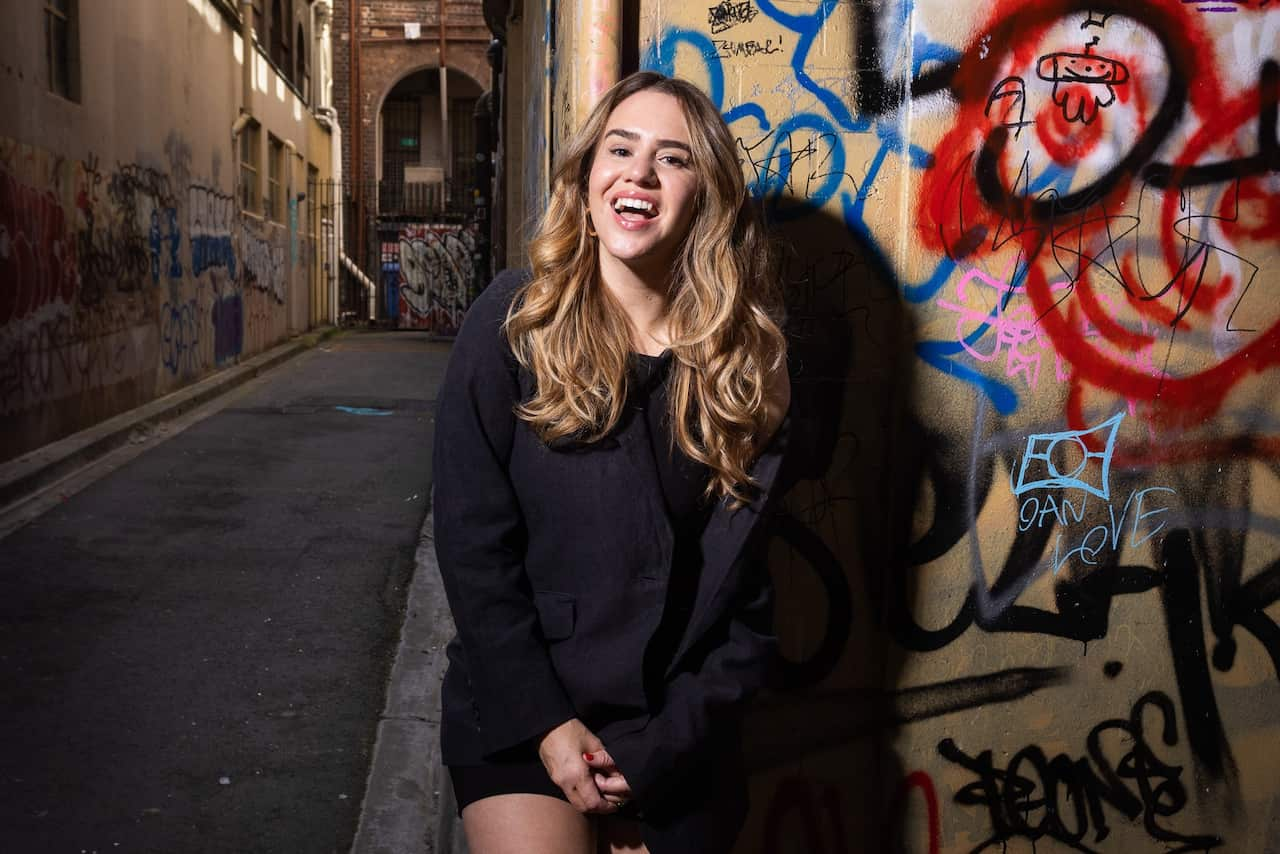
(843, 526)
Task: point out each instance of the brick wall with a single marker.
(340, 31)
(384, 56)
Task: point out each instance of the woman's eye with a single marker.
(673, 160)
(619, 152)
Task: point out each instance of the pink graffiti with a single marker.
(1013, 329)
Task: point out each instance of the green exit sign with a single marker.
(408, 142)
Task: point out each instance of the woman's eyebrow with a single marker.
(632, 136)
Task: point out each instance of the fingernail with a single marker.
(589, 756)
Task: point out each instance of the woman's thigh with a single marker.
(526, 824)
(618, 835)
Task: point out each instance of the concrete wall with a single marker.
(1028, 589)
(126, 267)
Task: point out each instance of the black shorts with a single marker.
(515, 777)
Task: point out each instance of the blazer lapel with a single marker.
(727, 532)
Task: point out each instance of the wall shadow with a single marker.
(844, 526)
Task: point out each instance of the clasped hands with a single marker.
(577, 762)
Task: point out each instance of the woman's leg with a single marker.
(526, 824)
(618, 835)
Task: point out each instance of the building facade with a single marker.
(409, 79)
(155, 217)
(1028, 585)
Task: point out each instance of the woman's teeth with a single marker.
(633, 206)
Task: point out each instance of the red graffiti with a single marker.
(1082, 247)
(799, 806)
(795, 808)
(37, 255)
(897, 811)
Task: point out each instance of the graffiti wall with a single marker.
(127, 267)
(122, 282)
(1028, 579)
(435, 277)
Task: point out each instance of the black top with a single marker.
(684, 482)
(683, 479)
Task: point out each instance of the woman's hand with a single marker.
(608, 778)
(563, 751)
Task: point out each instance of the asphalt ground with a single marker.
(195, 647)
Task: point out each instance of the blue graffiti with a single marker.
(158, 238)
(1040, 471)
(213, 251)
(156, 242)
(661, 57)
(175, 242)
(180, 337)
(1067, 514)
(820, 148)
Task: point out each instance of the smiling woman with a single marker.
(608, 441)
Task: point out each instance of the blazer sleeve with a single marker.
(480, 534)
(741, 650)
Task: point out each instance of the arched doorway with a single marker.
(426, 156)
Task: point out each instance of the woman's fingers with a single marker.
(595, 801)
(600, 760)
(614, 785)
(572, 755)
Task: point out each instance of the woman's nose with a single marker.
(642, 170)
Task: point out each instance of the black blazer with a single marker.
(555, 563)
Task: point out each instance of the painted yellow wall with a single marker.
(128, 269)
(1029, 586)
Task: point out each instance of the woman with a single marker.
(603, 453)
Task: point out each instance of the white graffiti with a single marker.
(210, 217)
(263, 263)
(436, 274)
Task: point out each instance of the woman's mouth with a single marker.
(632, 212)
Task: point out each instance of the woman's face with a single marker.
(642, 186)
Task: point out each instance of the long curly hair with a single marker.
(724, 306)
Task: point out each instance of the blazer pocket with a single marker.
(555, 614)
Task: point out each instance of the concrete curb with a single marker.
(32, 472)
(408, 802)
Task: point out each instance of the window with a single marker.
(275, 178)
(259, 25)
(249, 154)
(279, 41)
(62, 47)
(300, 58)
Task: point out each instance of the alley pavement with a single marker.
(195, 648)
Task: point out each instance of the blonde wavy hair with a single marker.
(724, 306)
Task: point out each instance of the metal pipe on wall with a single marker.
(246, 68)
(445, 159)
(356, 118)
(598, 37)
